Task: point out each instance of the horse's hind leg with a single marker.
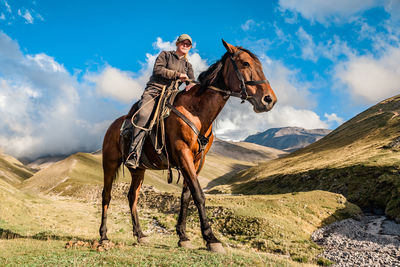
(133, 195)
(181, 225)
(110, 169)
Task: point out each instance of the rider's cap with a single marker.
(184, 37)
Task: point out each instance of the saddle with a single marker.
(155, 131)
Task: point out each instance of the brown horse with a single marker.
(238, 73)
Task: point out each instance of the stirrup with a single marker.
(131, 164)
(132, 161)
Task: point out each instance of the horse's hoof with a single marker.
(216, 247)
(143, 240)
(185, 244)
(104, 241)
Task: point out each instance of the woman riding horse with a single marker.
(169, 66)
(239, 74)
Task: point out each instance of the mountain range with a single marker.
(287, 139)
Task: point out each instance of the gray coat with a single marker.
(168, 67)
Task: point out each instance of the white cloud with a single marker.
(334, 48)
(293, 108)
(164, 45)
(393, 8)
(249, 25)
(26, 15)
(40, 17)
(45, 110)
(128, 87)
(117, 84)
(308, 46)
(289, 89)
(7, 6)
(199, 64)
(40, 106)
(333, 118)
(331, 49)
(370, 79)
(282, 36)
(237, 121)
(45, 63)
(338, 11)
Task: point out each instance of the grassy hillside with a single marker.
(360, 160)
(251, 228)
(12, 170)
(82, 173)
(62, 202)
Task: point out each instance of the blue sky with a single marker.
(68, 68)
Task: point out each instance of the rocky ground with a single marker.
(367, 241)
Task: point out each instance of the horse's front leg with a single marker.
(189, 173)
(181, 225)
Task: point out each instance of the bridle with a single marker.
(243, 94)
(201, 139)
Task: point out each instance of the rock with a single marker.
(351, 243)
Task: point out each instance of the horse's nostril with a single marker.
(268, 99)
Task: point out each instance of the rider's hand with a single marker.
(183, 77)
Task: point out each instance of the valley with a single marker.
(264, 203)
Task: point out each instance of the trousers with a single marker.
(146, 107)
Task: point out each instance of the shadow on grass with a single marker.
(224, 179)
(372, 188)
(8, 234)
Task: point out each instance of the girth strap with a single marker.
(201, 139)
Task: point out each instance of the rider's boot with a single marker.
(132, 160)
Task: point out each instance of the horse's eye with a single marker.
(246, 64)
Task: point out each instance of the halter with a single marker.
(243, 94)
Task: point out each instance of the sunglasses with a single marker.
(186, 44)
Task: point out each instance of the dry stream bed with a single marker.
(370, 240)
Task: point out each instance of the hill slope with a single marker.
(82, 173)
(245, 151)
(360, 160)
(12, 170)
(287, 138)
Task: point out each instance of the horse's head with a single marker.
(243, 74)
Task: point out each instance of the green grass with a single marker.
(27, 252)
(249, 226)
(352, 160)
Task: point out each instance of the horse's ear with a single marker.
(230, 48)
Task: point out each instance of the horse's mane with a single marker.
(213, 75)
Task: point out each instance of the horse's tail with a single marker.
(112, 153)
